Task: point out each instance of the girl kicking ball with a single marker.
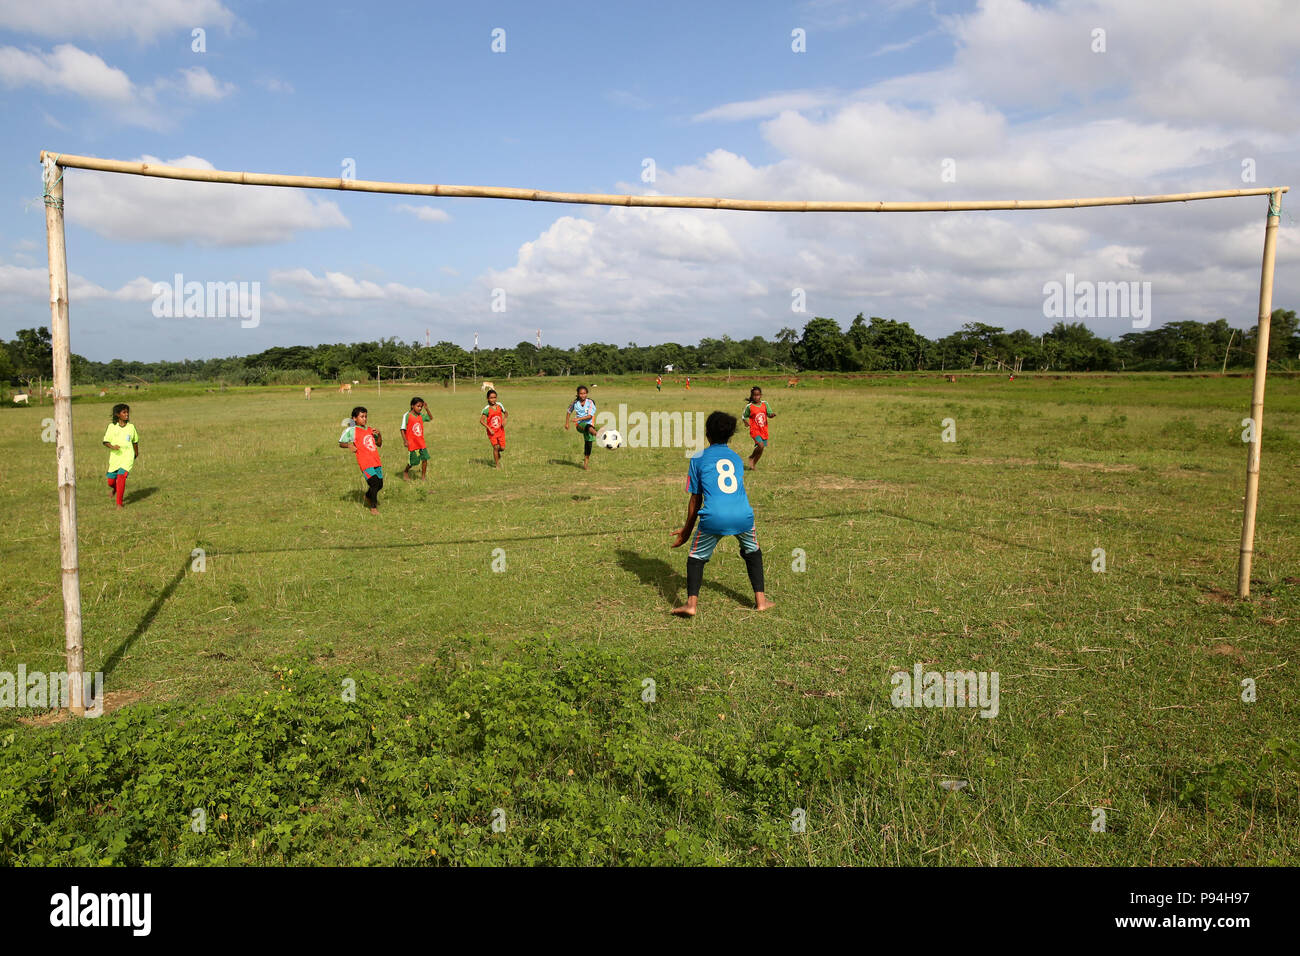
(584, 410)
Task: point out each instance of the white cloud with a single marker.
(425, 213)
(143, 209)
(24, 282)
(767, 106)
(143, 19)
(69, 70)
(339, 285)
(66, 69)
(197, 83)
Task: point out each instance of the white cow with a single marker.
(21, 398)
(487, 385)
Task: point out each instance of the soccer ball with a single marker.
(609, 438)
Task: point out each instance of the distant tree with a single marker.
(788, 338)
(822, 346)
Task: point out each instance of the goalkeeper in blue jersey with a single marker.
(715, 481)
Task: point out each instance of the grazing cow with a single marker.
(486, 385)
(345, 387)
(306, 392)
(21, 398)
(951, 378)
(791, 382)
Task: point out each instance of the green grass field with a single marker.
(523, 690)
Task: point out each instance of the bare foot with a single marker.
(684, 611)
(374, 511)
(406, 476)
(585, 466)
(762, 604)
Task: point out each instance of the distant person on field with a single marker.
(123, 444)
(659, 383)
(756, 415)
(688, 383)
(716, 484)
(493, 418)
(413, 437)
(584, 410)
(366, 442)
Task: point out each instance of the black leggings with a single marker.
(374, 483)
(588, 433)
(753, 564)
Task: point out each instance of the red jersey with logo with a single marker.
(496, 422)
(757, 415)
(367, 449)
(414, 427)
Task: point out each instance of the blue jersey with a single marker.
(718, 474)
(584, 411)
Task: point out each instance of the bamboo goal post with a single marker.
(52, 180)
(53, 165)
(1256, 423)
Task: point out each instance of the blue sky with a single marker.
(1014, 95)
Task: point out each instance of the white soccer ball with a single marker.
(609, 438)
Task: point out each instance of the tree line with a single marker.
(868, 344)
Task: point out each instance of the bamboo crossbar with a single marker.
(617, 199)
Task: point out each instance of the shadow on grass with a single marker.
(494, 539)
(660, 575)
(772, 520)
(113, 659)
(139, 495)
(566, 461)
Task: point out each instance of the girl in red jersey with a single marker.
(756, 416)
(493, 418)
(366, 442)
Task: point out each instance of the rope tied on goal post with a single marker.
(52, 163)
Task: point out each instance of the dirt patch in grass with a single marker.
(113, 700)
(1216, 595)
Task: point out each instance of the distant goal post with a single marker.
(379, 374)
